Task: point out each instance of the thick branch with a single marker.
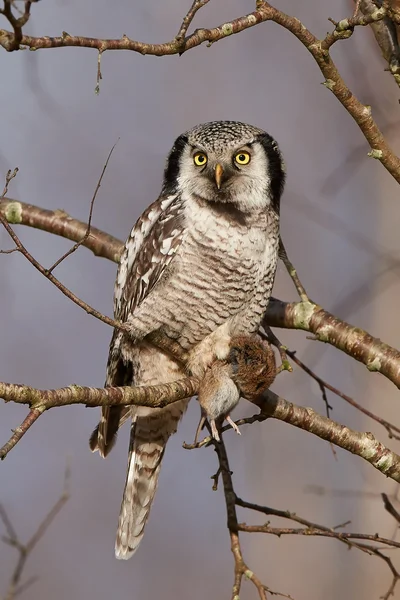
(153, 396)
(60, 223)
(46, 273)
(376, 355)
(357, 343)
(364, 445)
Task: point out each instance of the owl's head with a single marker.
(227, 162)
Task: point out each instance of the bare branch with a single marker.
(63, 289)
(241, 568)
(362, 444)
(393, 430)
(267, 334)
(292, 272)
(16, 23)
(41, 400)
(20, 431)
(311, 529)
(9, 177)
(376, 355)
(357, 343)
(15, 588)
(390, 508)
(62, 224)
(385, 33)
(187, 20)
(89, 223)
(264, 12)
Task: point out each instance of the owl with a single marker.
(197, 269)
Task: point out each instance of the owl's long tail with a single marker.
(148, 439)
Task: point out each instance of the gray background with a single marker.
(340, 222)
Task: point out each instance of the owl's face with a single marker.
(227, 162)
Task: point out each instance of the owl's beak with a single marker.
(218, 175)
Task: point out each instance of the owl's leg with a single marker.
(215, 346)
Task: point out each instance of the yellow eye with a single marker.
(200, 159)
(242, 158)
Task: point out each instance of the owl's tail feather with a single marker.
(149, 436)
(104, 436)
(119, 373)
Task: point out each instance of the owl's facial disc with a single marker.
(226, 162)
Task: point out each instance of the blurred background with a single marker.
(340, 223)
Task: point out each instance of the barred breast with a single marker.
(224, 272)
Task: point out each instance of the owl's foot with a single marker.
(233, 425)
(214, 347)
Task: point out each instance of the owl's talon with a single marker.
(233, 425)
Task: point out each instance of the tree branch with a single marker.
(45, 272)
(392, 430)
(24, 550)
(62, 224)
(241, 568)
(16, 23)
(357, 343)
(264, 12)
(364, 445)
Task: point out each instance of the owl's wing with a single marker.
(149, 250)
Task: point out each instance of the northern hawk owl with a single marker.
(197, 269)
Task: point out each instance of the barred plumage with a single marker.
(197, 269)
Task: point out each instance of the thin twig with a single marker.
(89, 223)
(324, 385)
(20, 431)
(264, 12)
(215, 479)
(267, 333)
(208, 440)
(390, 508)
(359, 344)
(292, 272)
(187, 20)
(313, 529)
(15, 588)
(11, 251)
(241, 568)
(9, 177)
(16, 23)
(63, 289)
(342, 537)
(41, 400)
